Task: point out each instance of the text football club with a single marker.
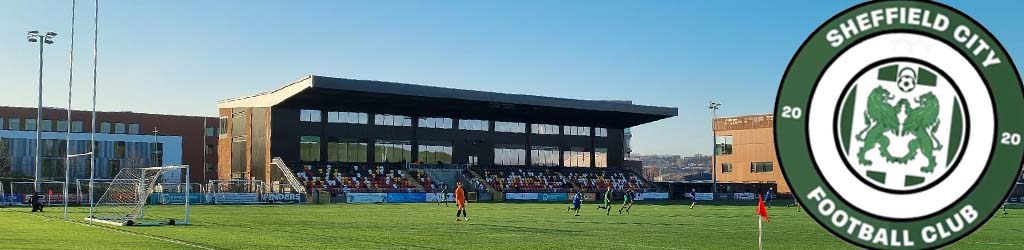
(895, 125)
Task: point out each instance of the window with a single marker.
(309, 148)
(46, 125)
(431, 122)
(393, 151)
(76, 127)
(601, 157)
(2, 123)
(435, 153)
(210, 131)
(223, 127)
(346, 117)
(761, 167)
(309, 115)
(210, 149)
(392, 120)
(510, 127)
(119, 128)
(62, 126)
(14, 124)
(574, 130)
(134, 128)
(601, 132)
(346, 150)
(30, 124)
(544, 156)
(105, 128)
(576, 157)
(478, 125)
(544, 129)
(723, 145)
(509, 155)
(726, 167)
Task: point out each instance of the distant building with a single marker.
(745, 155)
(124, 140)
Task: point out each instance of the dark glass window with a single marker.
(723, 145)
(544, 156)
(726, 167)
(761, 167)
(309, 148)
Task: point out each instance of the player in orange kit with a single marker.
(460, 201)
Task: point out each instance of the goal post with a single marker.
(124, 200)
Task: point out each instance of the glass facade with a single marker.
(478, 125)
(17, 157)
(347, 117)
(30, 124)
(393, 151)
(601, 157)
(509, 155)
(307, 115)
(433, 122)
(544, 129)
(435, 153)
(723, 145)
(544, 156)
(76, 127)
(576, 157)
(309, 148)
(575, 130)
(510, 127)
(392, 120)
(601, 132)
(346, 150)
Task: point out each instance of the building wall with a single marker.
(189, 129)
(752, 141)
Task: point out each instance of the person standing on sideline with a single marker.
(693, 197)
(444, 195)
(460, 201)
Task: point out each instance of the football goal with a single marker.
(123, 203)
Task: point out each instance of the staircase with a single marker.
(486, 185)
(571, 181)
(408, 176)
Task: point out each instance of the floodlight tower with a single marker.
(714, 106)
(35, 37)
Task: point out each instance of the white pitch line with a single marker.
(165, 239)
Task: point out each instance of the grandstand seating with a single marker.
(524, 179)
(345, 178)
(356, 178)
(596, 180)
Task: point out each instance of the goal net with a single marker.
(124, 200)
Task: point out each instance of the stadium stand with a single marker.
(357, 178)
(596, 180)
(525, 179)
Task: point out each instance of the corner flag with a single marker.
(761, 210)
(762, 213)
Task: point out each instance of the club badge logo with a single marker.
(898, 125)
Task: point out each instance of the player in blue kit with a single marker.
(577, 199)
(693, 197)
(768, 198)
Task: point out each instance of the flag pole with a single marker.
(759, 246)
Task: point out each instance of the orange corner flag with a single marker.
(761, 210)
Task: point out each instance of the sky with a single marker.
(181, 57)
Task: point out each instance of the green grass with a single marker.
(426, 226)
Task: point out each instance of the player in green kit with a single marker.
(627, 201)
(607, 201)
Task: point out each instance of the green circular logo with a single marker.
(895, 125)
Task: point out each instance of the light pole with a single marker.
(714, 106)
(67, 133)
(35, 37)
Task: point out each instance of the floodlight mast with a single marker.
(35, 37)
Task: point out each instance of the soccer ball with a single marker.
(907, 81)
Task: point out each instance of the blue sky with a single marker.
(181, 57)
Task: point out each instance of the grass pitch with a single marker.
(427, 226)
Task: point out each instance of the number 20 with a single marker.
(1010, 139)
(792, 112)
